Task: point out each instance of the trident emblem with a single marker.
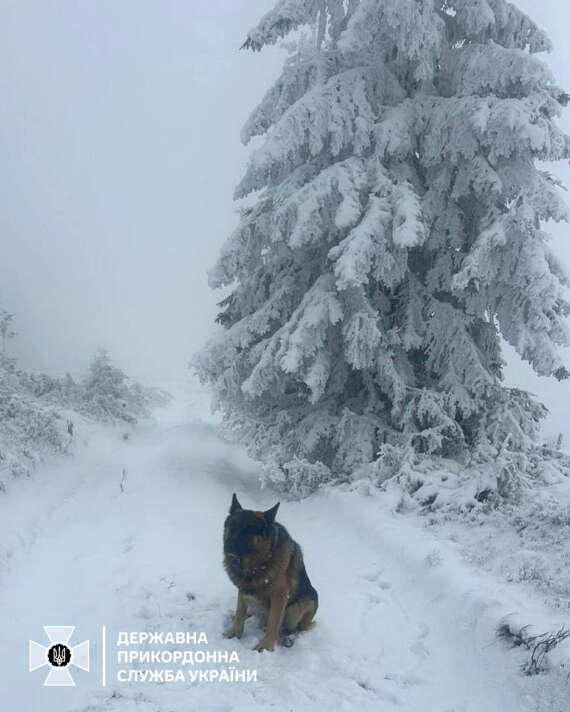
(59, 655)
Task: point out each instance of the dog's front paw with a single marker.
(265, 644)
(233, 632)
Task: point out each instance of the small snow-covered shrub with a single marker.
(538, 645)
(298, 478)
(29, 429)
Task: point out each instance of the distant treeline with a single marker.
(39, 413)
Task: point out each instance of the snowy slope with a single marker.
(404, 623)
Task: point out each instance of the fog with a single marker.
(120, 149)
(119, 136)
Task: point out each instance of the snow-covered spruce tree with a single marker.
(107, 394)
(6, 327)
(396, 233)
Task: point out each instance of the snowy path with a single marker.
(402, 623)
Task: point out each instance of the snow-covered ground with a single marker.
(407, 618)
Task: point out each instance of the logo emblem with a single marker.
(59, 655)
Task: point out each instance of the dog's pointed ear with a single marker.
(269, 515)
(235, 505)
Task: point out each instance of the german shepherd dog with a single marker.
(266, 565)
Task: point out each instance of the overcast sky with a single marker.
(119, 140)
(119, 124)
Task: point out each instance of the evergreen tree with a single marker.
(395, 232)
(6, 332)
(106, 392)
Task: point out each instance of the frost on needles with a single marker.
(392, 231)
